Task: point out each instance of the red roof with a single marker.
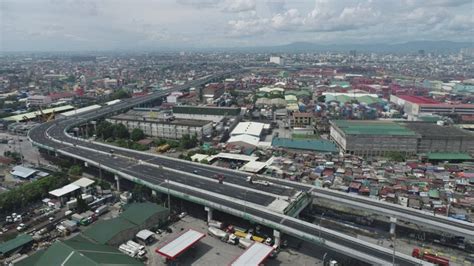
(417, 99)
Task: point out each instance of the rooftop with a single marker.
(254, 255)
(180, 244)
(78, 251)
(372, 127)
(303, 144)
(103, 231)
(23, 172)
(444, 156)
(434, 130)
(32, 115)
(83, 182)
(15, 243)
(417, 99)
(138, 213)
(249, 128)
(176, 121)
(207, 110)
(64, 190)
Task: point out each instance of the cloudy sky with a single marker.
(150, 24)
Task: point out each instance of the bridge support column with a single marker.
(393, 225)
(277, 237)
(153, 193)
(209, 213)
(117, 178)
(85, 164)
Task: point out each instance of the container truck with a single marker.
(426, 256)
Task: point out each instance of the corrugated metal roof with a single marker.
(448, 156)
(103, 231)
(305, 144)
(138, 213)
(180, 244)
(254, 255)
(32, 115)
(23, 172)
(205, 110)
(15, 243)
(375, 127)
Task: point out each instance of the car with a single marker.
(182, 215)
(195, 171)
(51, 219)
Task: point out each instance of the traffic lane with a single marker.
(209, 185)
(277, 219)
(130, 167)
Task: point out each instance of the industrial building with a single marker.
(78, 251)
(164, 128)
(373, 138)
(436, 138)
(214, 114)
(417, 106)
(380, 137)
(135, 217)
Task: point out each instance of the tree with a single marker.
(75, 170)
(120, 132)
(139, 193)
(120, 94)
(81, 205)
(188, 142)
(137, 134)
(105, 130)
(396, 156)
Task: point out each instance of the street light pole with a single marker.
(320, 222)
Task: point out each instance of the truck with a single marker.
(426, 256)
(101, 210)
(136, 245)
(130, 251)
(215, 224)
(218, 233)
(253, 180)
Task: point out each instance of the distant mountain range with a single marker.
(408, 47)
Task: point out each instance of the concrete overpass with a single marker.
(235, 196)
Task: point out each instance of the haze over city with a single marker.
(75, 25)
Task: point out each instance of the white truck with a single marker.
(130, 251)
(215, 224)
(252, 180)
(218, 233)
(136, 245)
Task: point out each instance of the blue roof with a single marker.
(305, 144)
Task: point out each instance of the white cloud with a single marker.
(239, 5)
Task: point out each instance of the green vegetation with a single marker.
(16, 156)
(120, 94)
(188, 142)
(82, 205)
(75, 170)
(24, 195)
(137, 134)
(396, 156)
(140, 193)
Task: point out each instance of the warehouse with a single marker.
(214, 114)
(373, 138)
(169, 129)
(436, 138)
(135, 217)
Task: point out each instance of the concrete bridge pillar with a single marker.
(277, 237)
(117, 178)
(153, 193)
(393, 225)
(86, 164)
(209, 213)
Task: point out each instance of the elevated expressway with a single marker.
(178, 178)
